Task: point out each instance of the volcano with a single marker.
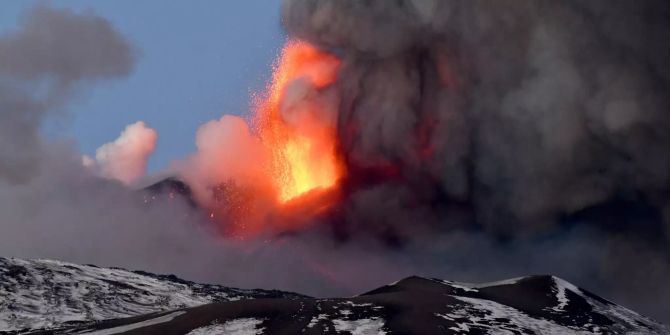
(51, 297)
(470, 140)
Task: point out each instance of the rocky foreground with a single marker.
(49, 297)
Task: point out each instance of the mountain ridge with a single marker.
(138, 302)
(43, 293)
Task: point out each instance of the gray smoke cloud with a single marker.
(553, 107)
(41, 64)
(518, 120)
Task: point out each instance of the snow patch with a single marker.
(482, 314)
(41, 294)
(462, 286)
(511, 281)
(470, 287)
(245, 326)
(315, 320)
(372, 326)
(561, 287)
(142, 324)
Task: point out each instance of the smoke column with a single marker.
(525, 111)
(40, 67)
(518, 122)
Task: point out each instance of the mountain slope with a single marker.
(45, 293)
(529, 305)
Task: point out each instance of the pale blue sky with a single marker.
(198, 60)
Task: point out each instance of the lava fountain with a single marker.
(281, 169)
(297, 129)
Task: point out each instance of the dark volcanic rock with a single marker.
(415, 305)
(169, 188)
(45, 293)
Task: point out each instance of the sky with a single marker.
(197, 61)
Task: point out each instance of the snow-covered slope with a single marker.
(544, 304)
(45, 293)
(64, 298)
(528, 305)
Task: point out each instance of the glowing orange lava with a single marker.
(295, 127)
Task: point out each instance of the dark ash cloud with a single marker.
(520, 121)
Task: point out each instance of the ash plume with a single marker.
(517, 121)
(526, 110)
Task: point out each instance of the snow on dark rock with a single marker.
(45, 293)
(49, 295)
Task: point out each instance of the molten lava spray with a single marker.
(284, 168)
(298, 131)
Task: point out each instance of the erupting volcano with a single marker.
(297, 130)
(468, 140)
(278, 169)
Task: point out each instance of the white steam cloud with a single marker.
(125, 159)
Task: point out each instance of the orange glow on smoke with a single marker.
(297, 131)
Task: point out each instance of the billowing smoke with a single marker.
(226, 150)
(524, 111)
(125, 159)
(520, 121)
(41, 65)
